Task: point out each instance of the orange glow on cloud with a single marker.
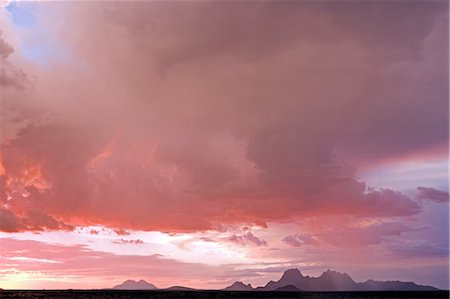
(101, 156)
(2, 169)
(29, 175)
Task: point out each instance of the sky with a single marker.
(201, 143)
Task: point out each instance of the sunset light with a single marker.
(224, 145)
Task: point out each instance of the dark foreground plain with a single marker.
(120, 294)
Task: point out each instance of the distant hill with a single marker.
(179, 288)
(239, 286)
(394, 286)
(135, 285)
(335, 281)
(288, 288)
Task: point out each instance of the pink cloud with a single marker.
(247, 238)
(9, 222)
(124, 241)
(432, 194)
(5, 48)
(10, 75)
(298, 240)
(239, 125)
(33, 220)
(121, 232)
(419, 250)
(366, 235)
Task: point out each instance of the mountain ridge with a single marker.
(239, 286)
(293, 280)
(336, 281)
(135, 285)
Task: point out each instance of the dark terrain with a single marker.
(148, 294)
(292, 284)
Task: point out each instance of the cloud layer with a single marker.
(198, 116)
(433, 194)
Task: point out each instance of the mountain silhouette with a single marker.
(135, 285)
(290, 277)
(239, 286)
(179, 288)
(293, 280)
(336, 281)
(395, 286)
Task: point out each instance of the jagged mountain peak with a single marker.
(239, 286)
(135, 285)
(292, 274)
(331, 273)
